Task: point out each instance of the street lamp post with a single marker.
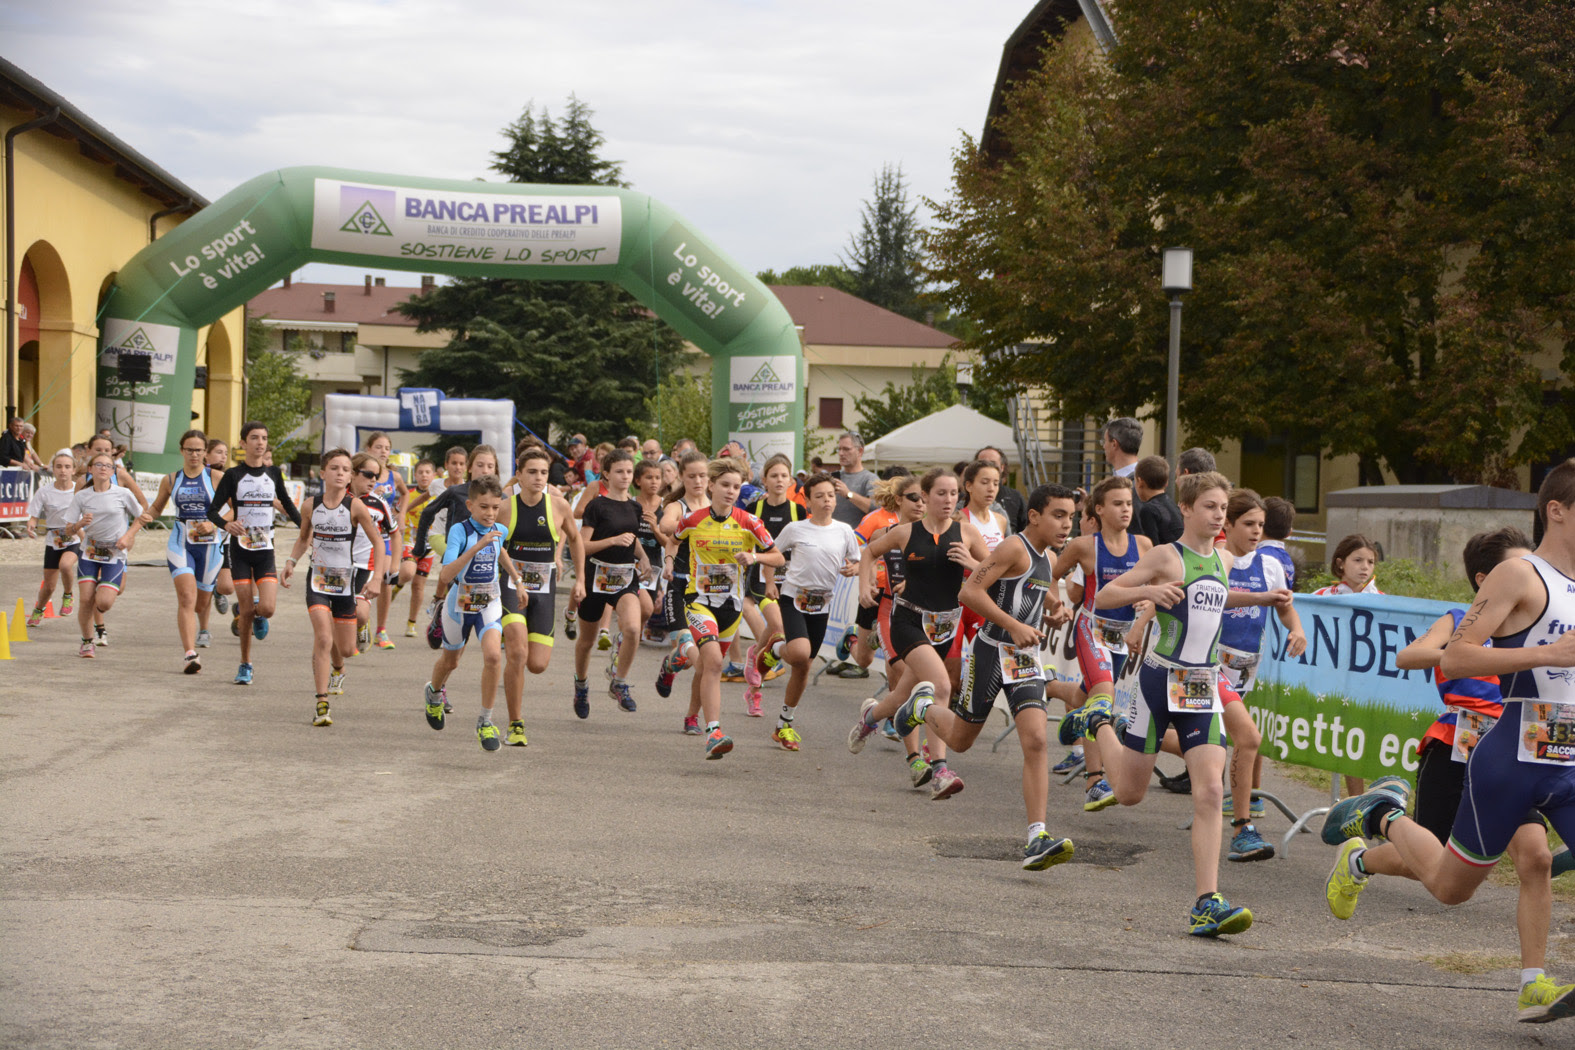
(1176, 277)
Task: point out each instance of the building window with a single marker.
(1273, 466)
(347, 342)
(831, 413)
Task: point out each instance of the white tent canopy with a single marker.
(945, 437)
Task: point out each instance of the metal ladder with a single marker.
(1052, 450)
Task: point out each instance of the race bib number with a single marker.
(474, 597)
(194, 536)
(1239, 660)
(535, 579)
(332, 580)
(1547, 732)
(1191, 690)
(812, 601)
(256, 538)
(940, 626)
(1469, 728)
(718, 581)
(1021, 664)
(1112, 634)
(59, 540)
(610, 579)
(101, 552)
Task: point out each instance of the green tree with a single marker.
(1381, 204)
(930, 390)
(679, 407)
(278, 394)
(884, 254)
(833, 276)
(571, 355)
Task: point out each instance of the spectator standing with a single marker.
(13, 449)
(1008, 501)
(1158, 517)
(854, 484)
(1123, 440)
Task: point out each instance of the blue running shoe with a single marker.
(1358, 816)
(1249, 845)
(243, 675)
(845, 647)
(889, 731)
(1073, 760)
(582, 698)
(910, 715)
(1213, 915)
(260, 628)
(1043, 852)
(1085, 721)
(619, 691)
(1099, 796)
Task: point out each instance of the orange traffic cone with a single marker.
(49, 609)
(5, 642)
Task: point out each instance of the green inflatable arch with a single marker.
(264, 229)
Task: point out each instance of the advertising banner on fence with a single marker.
(16, 488)
(1342, 706)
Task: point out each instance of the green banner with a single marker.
(1336, 734)
(275, 223)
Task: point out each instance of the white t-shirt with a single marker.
(112, 512)
(819, 552)
(53, 505)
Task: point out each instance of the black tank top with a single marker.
(531, 538)
(681, 555)
(933, 579)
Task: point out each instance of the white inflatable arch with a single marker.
(346, 416)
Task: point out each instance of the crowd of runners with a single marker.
(959, 580)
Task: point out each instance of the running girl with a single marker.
(195, 551)
(50, 507)
(723, 539)
(694, 475)
(252, 487)
(99, 516)
(332, 524)
(374, 558)
(391, 488)
(936, 552)
(648, 494)
(826, 549)
(1100, 636)
(611, 561)
(761, 609)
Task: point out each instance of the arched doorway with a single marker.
(59, 406)
(221, 398)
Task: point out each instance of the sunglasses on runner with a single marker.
(369, 474)
(195, 451)
(913, 497)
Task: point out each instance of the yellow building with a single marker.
(79, 203)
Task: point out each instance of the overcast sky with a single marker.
(761, 121)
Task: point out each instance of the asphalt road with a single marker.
(188, 863)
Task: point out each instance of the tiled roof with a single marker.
(303, 301)
(829, 317)
(834, 318)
